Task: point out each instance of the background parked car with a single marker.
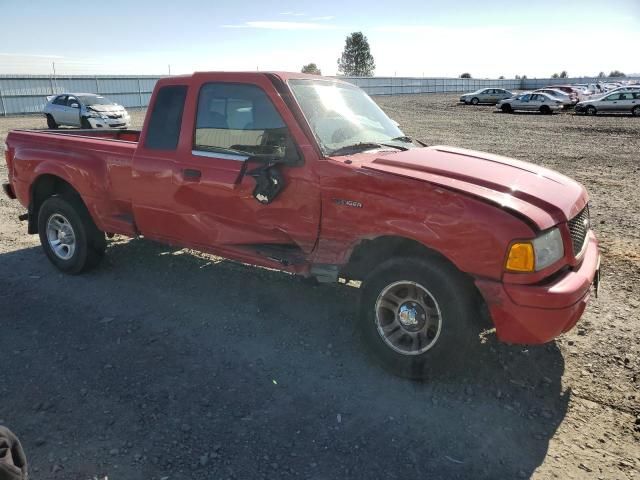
(566, 99)
(576, 94)
(486, 95)
(530, 101)
(86, 110)
(612, 103)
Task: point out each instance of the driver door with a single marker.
(71, 115)
(209, 195)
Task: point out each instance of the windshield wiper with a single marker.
(362, 146)
(406, 139)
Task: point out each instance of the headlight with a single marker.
(93, 114)
(536, 254)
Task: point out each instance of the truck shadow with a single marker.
(182, 363)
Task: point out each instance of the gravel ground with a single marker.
(165, 363)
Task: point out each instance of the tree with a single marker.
(601, 75)
(563, 74)
(311, 68)
(465, 75)
(517, 77)
(555, 75)
(524, 77)
(501, 77)
(616, 74)
(356, 59)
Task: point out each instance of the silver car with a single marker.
(612, 103)
(86, 110)
(486, 95)
(531, 101)
(565, 98)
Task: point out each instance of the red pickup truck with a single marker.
(308, 175)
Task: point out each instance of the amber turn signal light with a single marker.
(521, 258)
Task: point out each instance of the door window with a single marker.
(240, 118)
(71, 100)
(61, 100)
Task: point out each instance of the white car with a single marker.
(529, 101)
(85, 110)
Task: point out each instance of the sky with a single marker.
(487, 38)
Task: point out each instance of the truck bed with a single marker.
(96, 162)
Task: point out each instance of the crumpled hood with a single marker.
(543, 196)
(106, 108)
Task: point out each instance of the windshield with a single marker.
(95, 100)
(342, 115)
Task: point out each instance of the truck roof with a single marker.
(282, 75)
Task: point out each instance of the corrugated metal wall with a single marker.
(407, 85)
(28, 94)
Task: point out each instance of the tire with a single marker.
(475, 101)
(506, 108)
(446, 334)
(545, 110)
(591, 110)
(636, 111)
(64, 221)
(51, 123)
(84, 123)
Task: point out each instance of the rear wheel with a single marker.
(51, 123)
(475, 101)
(544, 109)
(636, 111)
(68, 235)
(506, 108)
(591, 110)
(416, 317)
(84, 123)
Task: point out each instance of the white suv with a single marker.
(86, 110)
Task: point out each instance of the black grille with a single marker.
(579, 227)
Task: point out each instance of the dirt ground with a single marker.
(166, 364)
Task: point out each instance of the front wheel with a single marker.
(475, 101)
(506, 108)
(591, 110)
(545, 110)
(51, 123)
(84, 123)
(68, 235)
(636, 111)
(417, 317)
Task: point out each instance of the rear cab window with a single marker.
(163, 131)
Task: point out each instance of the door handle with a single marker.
(191, 174)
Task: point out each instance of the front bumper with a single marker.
(123, 122)
(532, 314)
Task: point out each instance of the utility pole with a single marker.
(55, 81)
(169, 69)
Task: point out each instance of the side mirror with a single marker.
(75, 105)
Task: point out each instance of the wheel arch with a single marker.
(43, 187)
(370, 252)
